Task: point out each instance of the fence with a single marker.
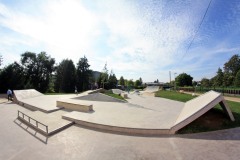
(202, 89)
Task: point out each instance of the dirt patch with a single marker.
(212, 120)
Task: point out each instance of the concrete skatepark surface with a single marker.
(19, 142)
(54, 120)
(98, 97)
(132, 115)
(141, 115)
(151, 89)
(38, 101)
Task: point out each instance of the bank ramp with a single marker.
(198, 106)
(98, 97)
(152, 89)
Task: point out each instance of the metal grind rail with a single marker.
(23, 115)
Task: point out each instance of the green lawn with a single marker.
(110, 93)
(215, 119)
(174, 95)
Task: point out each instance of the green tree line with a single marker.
(229, 76)
(40, 72)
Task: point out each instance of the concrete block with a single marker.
(75, 106)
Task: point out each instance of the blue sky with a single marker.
(136, 38)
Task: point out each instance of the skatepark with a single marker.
(69, 139)
(141, 114)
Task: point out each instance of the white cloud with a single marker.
(66, 28)
(135, 39)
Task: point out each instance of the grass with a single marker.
(110, 93)
(215, 119)
(174, 95)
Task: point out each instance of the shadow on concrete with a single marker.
(227, 134)
(8, 102)
(121, 133)
(32, 132)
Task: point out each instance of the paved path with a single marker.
(17, 142)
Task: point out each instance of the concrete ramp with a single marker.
(99, 97)
(35, 100)
(25, 94)
(196, 107)
(117, 91)
(93, 91)
(152, 89)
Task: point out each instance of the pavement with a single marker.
(53, 120)
(46, 103)
(141, 112)
(18, 142)
(3, 100)
(98, 97)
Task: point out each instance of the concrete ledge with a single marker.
(117, 129)
(34, 108)
(124, 95)
(73, 105)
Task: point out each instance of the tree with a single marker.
(218, 79)
(137, 83)
(112, 81)
(38, 69)
(12, 77)
(103, 78)
(121, 81)
(194, 83)
(84, 74)
(156, 81)
(237, 79)
(205, 82)
(125, 82)
(1, 59)
(228, 79)
(65, 77)
(141, 82)
(184, 80)
(130, 83)
(233, 65)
